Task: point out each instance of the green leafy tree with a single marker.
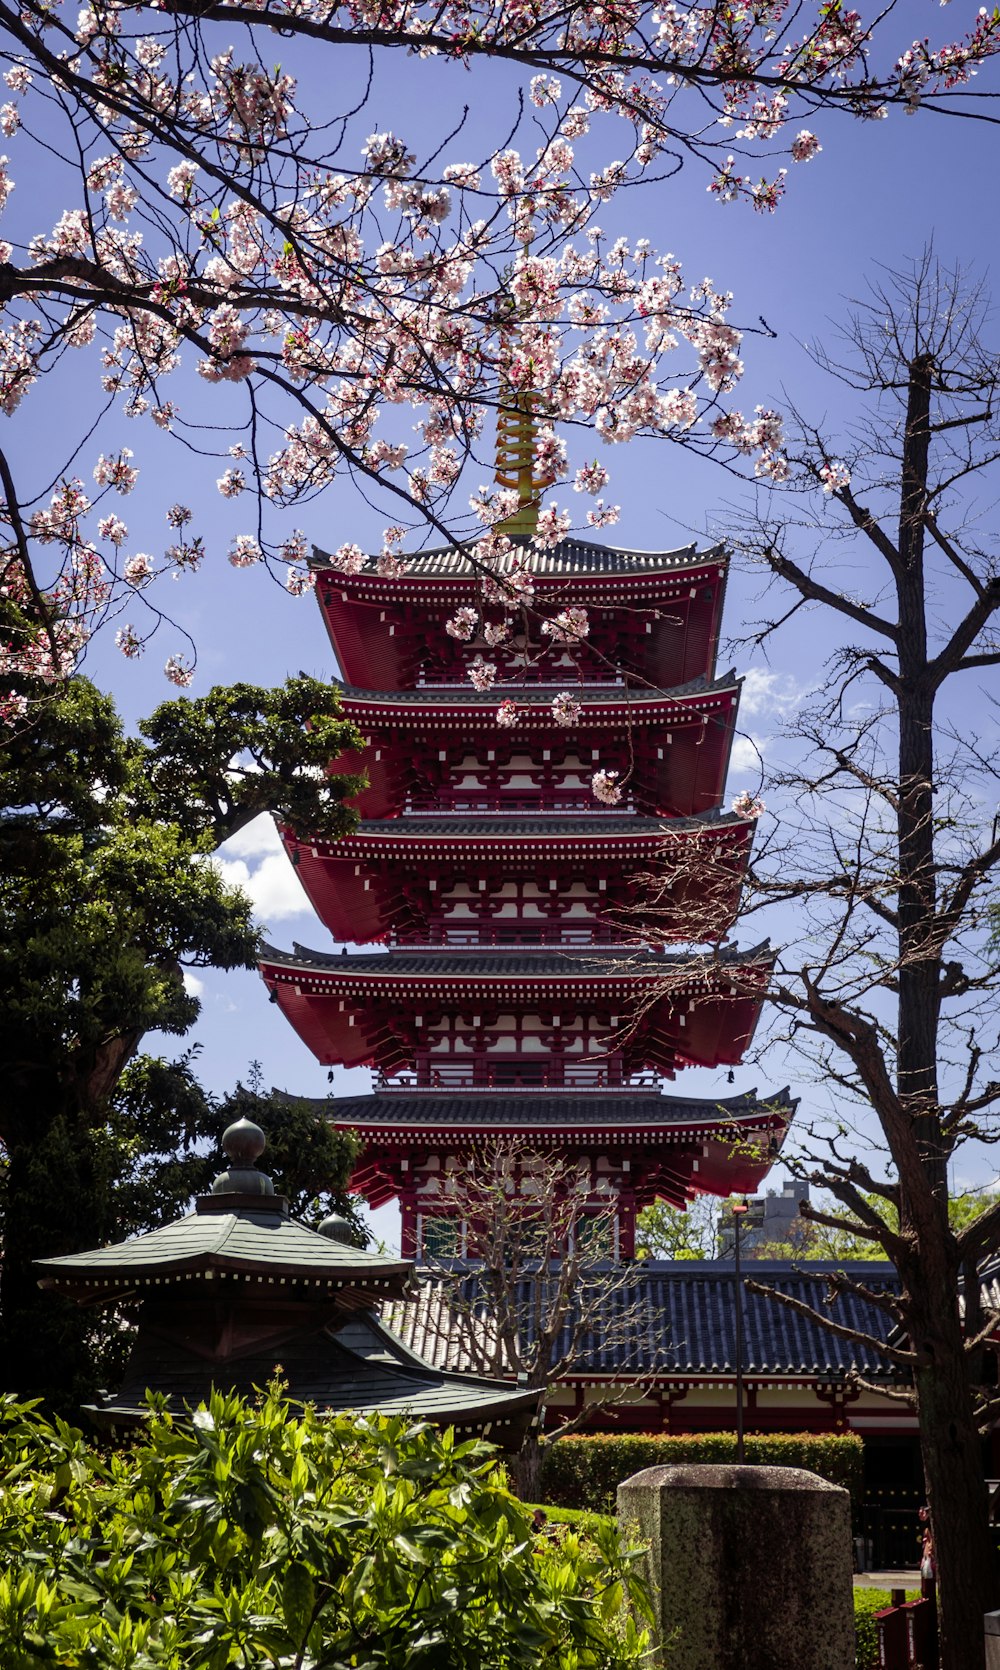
(255, 1535)
(107, 895)
(664, 1231)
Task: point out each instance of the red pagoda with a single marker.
(508, 996)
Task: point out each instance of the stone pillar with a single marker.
(750, 1567)
(991, 1624)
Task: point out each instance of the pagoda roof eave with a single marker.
(579, 559)
(527, 830)
(536, 700)
(524, 964)
(359, 1366)
(418, 1112)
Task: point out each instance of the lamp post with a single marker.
(739, 1208)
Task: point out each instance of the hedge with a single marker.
(866, 1603)
(584, 1471)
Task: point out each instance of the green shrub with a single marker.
(584, 1471)
(250, 1535)
(866, 1603)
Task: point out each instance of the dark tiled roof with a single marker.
(534, 696)
(679, 1319)
(570, 556)
(499, 963)
(613, 825)
(361, 1367)
(487, 1109)
(231, 1241)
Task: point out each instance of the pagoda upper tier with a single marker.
(549, 879)
(653, 1147)
(534, 1017)
(442, 749)
(654, 615)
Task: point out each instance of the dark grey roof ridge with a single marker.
(545, 959)
(608, 822)
(459, 695)
(569, 556)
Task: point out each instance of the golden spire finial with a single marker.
(517, 432)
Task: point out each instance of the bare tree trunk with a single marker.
(953, 1469)
(525, 1470)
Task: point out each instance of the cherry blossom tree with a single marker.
(270, 281)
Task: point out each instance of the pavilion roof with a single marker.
(672, 1319)
(531, 828)
(358, 1365)
(372, 1008)
(568, 557)
(249, 1238)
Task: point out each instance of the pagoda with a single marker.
(503, 988)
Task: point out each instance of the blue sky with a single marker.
(876, 194)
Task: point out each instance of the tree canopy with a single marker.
(107, 895)
(214, 214)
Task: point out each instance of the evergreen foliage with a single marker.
(252, 1536)
(107, 896)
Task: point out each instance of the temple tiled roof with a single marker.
(500, 962)
(551, 1109)
(614, 825)
(360, 1366)
(569, 557)
(535, 695)
(676, 1319)
(251, 1239)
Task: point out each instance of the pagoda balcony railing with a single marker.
(541, 672)
(516, 933)
(518, 1075)
(576, 799)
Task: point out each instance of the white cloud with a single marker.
(256, 861)
(192, 985)
(256, 840)
(774, 695)
(272, 886)
(746, 755)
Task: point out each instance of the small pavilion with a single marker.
(236, 1292)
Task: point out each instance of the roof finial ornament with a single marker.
(517, 433)
(243, 1143)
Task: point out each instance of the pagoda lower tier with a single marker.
(631, 1149)
(443, 750)
(528, 1017)
(655, 614)
(550, 879)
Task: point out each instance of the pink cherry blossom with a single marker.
(179, 671)
(246, 551)
(570, 626)
(834, 477)
(507, 715)
(463, 623)
(747, 805)
(138, 571)
(565, 709)
(604, 785)
(482, 674)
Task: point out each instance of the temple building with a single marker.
(506, 983)
(237, 1291)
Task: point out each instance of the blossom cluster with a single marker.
(212, 227)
